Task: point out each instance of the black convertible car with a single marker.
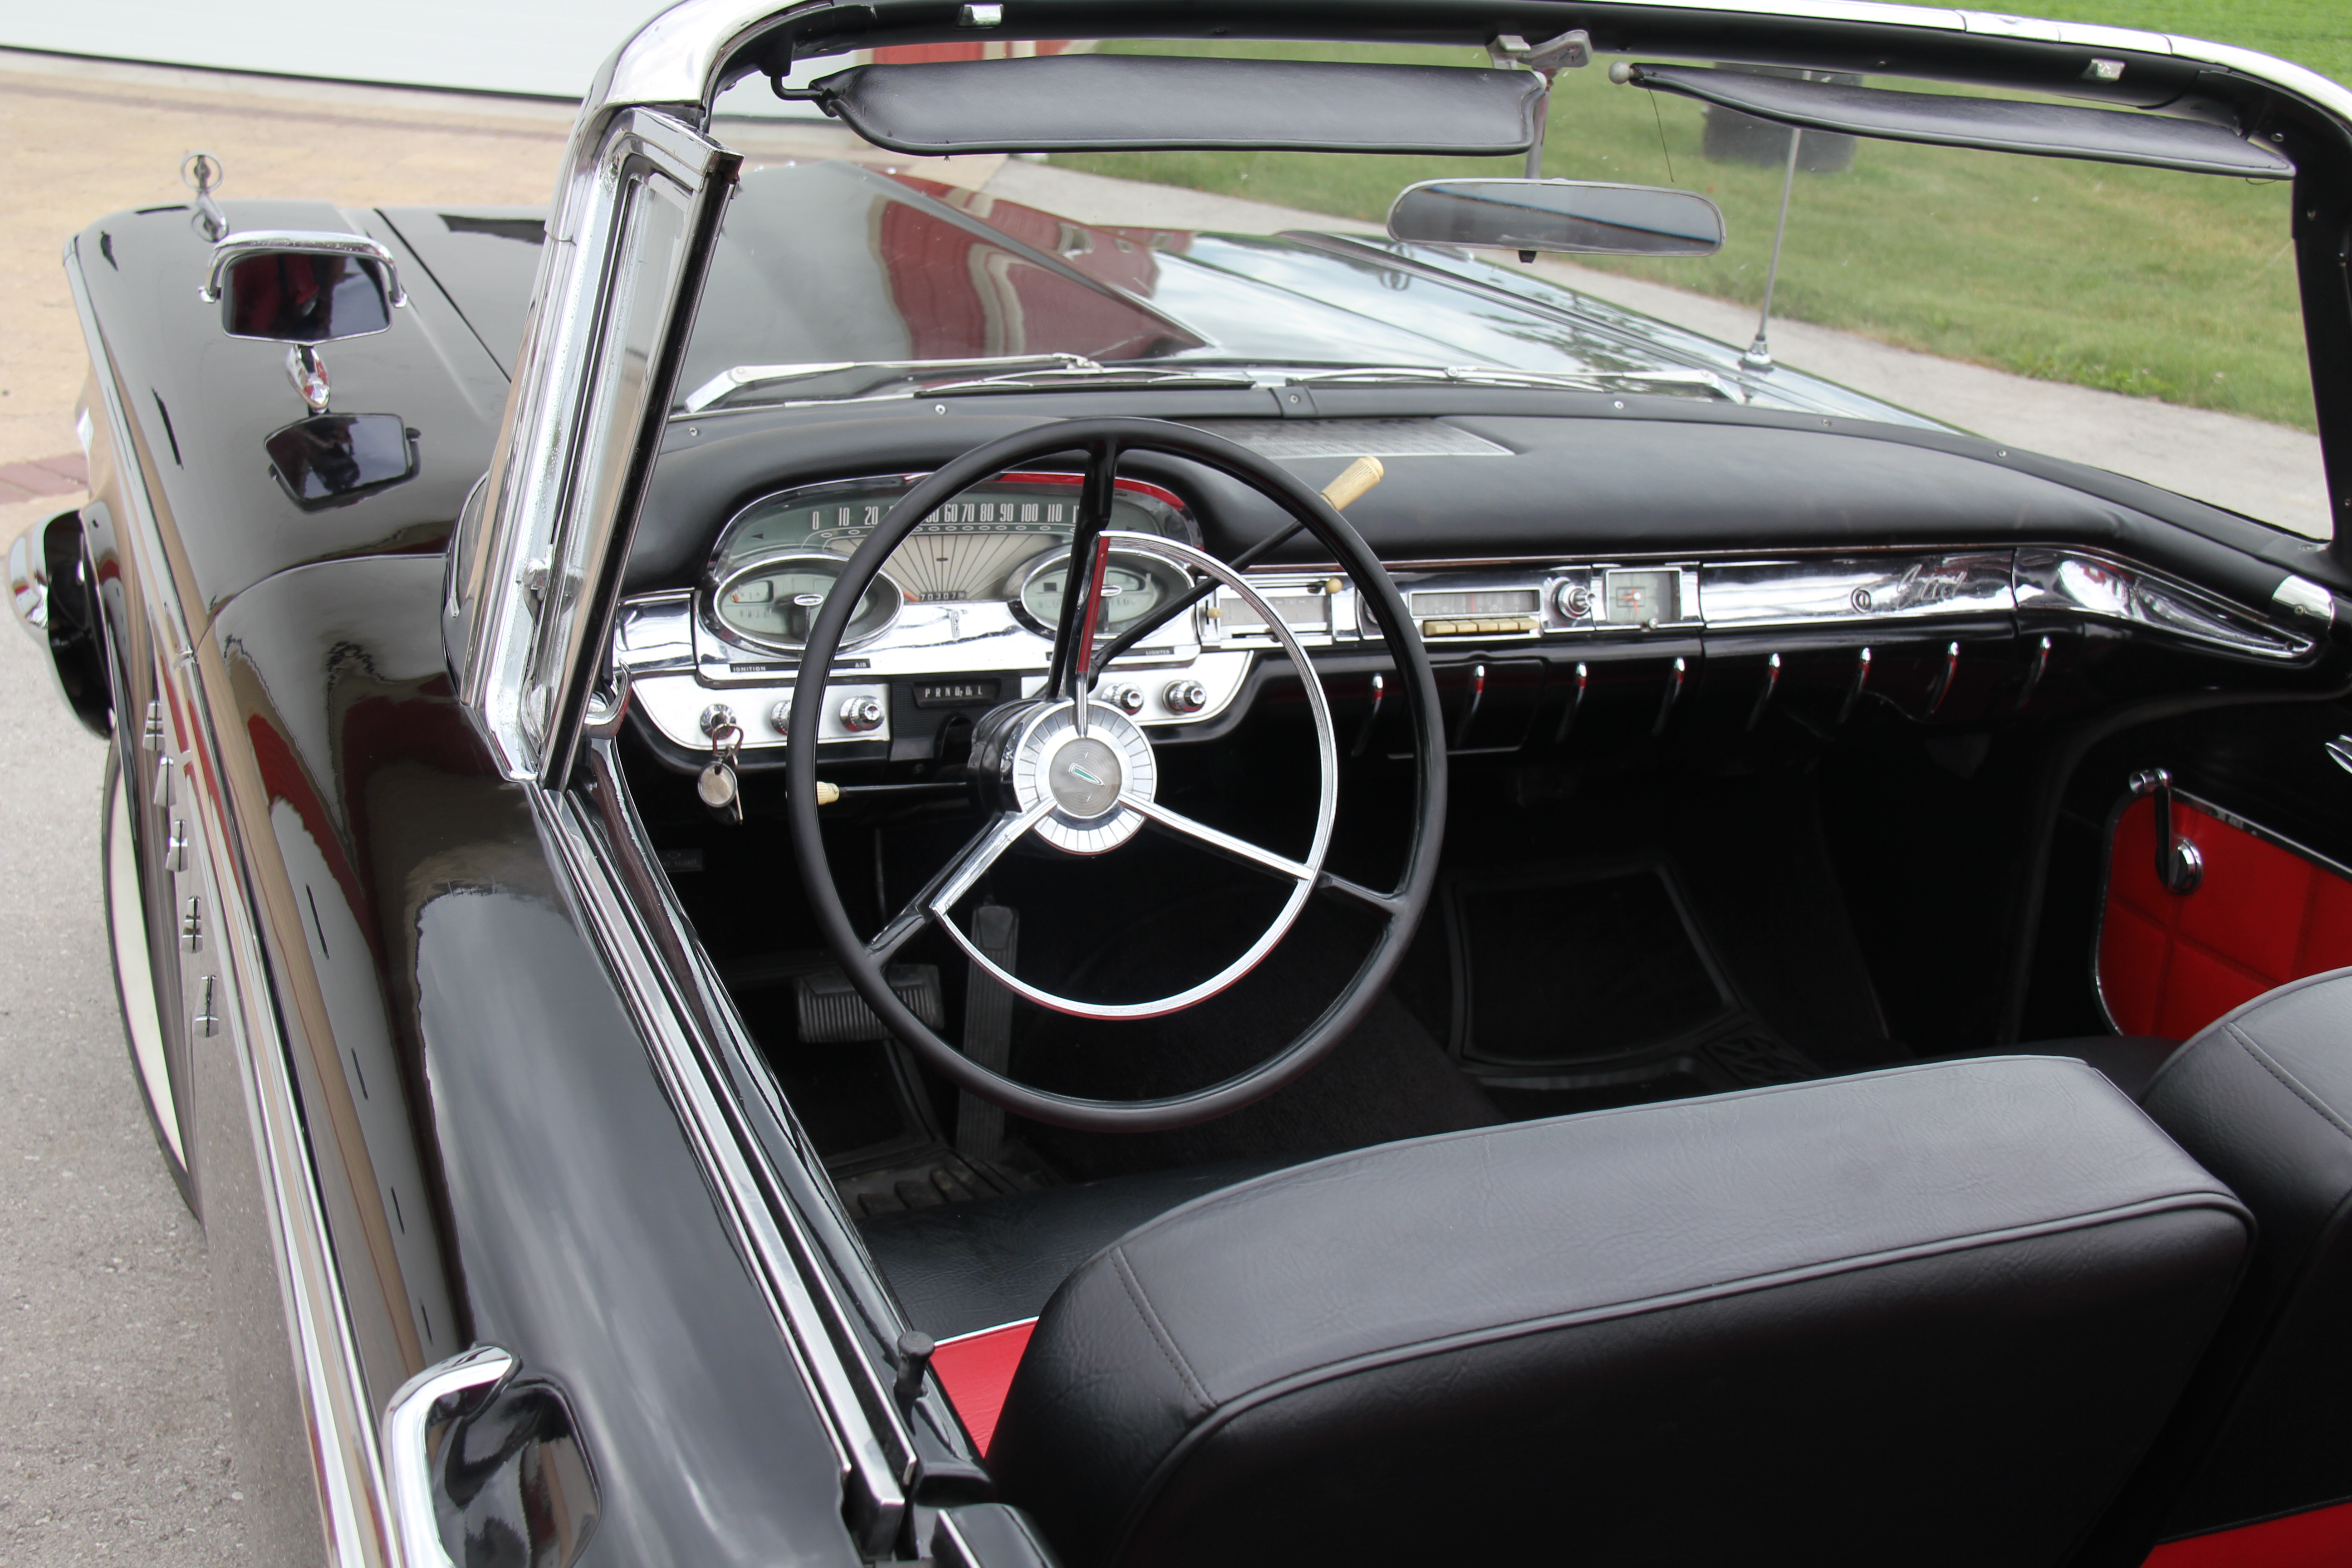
(1414, 918)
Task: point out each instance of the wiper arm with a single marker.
(729, 382)
(1090, 375)
(1500, 375)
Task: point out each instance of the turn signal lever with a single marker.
(2178, 866)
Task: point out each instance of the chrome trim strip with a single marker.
(409, 1418)
(871, 1442)
(348, 1466)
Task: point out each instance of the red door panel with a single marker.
(2320, 1539)
(2263, 914)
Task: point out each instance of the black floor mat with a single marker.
(1386, 1080)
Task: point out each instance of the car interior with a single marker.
(1842, 817)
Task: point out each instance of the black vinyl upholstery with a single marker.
(962, 1268)
(1932, 1315)
(2264, 1099)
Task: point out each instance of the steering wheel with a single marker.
(1079, 775)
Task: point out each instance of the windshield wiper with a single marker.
(726, 383)
(1095, 375)
(1500, 375)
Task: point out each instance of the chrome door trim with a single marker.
(872, 1442)
(347, 1465)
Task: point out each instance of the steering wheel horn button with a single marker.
(1084, 777)
(1091, 785)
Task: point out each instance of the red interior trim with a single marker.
(2319, 1539)
(2171, 963)
(977, 1369)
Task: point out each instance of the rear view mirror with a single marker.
(295, 286)
(1529, 216)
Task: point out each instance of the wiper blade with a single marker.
(726, 383)
(1500, 375)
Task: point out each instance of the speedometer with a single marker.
(1134, 585)
(968, 550)
(774, 602)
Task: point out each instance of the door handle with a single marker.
(439, 1392)
(2178, 865)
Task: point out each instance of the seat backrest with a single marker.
(1927, 1316)
(2262, 1098)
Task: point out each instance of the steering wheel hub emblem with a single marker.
(1084, 777)
(1092, 784)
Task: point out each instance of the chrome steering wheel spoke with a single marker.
(953, 880)
(1226, 844)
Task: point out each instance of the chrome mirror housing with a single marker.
(301, 286)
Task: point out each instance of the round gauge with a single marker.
(774, 602)
(1134, 585)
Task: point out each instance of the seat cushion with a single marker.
(1931, 1316)
(963, 1267)
(2264, 1099)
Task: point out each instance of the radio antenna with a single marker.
(1759, 353)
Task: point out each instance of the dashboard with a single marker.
(961, 617)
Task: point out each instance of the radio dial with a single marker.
(1574, 599)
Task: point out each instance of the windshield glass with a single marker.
(2135, 318)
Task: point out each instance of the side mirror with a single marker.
(1529, 216)
(297, 286)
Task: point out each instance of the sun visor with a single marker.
(1138, 102)
(1993, 124)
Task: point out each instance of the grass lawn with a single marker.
(2180, 286)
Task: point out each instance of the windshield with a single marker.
(2056, 300)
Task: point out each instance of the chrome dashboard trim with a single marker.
(2084, 584)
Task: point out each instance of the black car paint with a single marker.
(615, 1280)
(431, 941)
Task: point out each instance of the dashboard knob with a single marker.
(1185, 697)
(860, 714)
(1574, 599)
(1128, 698)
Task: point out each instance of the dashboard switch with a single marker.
(1574, 599)
(861, 714)
(1128, 698)
(1184, 697)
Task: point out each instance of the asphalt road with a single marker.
(113, 1422)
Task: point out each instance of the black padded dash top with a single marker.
(1927, 1316)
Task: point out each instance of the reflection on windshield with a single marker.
(930, 284)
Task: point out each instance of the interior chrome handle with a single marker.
(2178, 865)
(434, 1396)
